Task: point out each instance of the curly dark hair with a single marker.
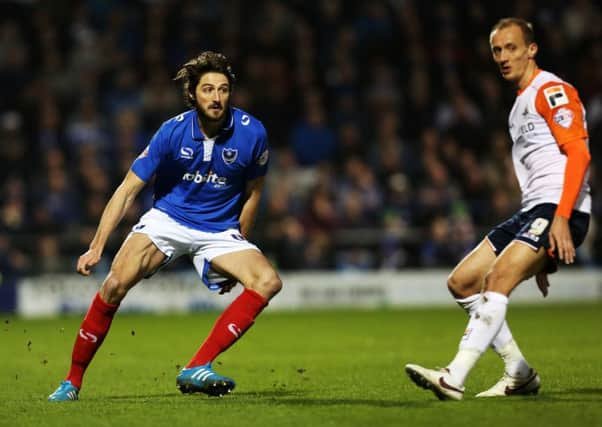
(191, 72)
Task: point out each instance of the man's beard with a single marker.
(211, 119)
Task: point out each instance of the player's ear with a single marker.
(532, 50)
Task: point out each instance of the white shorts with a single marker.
(175, 240)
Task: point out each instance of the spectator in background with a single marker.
(436, 249)
(312, 140)
(385, 71)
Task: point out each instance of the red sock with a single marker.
(230, 326)
(92, 332)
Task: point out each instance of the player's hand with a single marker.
(87, 261)
(542, 283)
(561, 241)
(227, 287)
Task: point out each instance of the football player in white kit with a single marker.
(551, 159)
(209, 165)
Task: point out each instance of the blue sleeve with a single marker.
(148, 161)
(261, 157)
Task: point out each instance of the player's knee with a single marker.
(495, 281)
(459, 287)
(113, 290)
(268, 284)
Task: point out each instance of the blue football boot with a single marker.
(203, 379)
(66, 391)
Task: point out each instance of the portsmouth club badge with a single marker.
(229, 155)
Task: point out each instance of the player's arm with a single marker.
(578, 159)
(561, 107)
(113, 213)
(251, 205)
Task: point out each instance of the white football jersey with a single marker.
(546, 114)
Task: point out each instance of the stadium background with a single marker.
(387, 121)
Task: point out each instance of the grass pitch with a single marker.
(337, 368)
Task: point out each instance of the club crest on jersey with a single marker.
(564, 117)
(556, 96)
(229, 155)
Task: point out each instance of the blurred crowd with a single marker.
(387, 119)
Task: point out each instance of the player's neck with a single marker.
(211, 128)
(527, 77)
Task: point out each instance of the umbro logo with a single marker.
(87, 336)
(235, 330)
(186, 153)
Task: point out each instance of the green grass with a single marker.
(338, 368)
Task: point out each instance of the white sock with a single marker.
(464, 361)
(483, 326)
(516, 364)
(470, 303)
(503, 343)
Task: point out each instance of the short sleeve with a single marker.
(148, 161)
(261, 157)
(560, 106)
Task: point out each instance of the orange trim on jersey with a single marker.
(560, 106)
(578, 159)
(520, 91)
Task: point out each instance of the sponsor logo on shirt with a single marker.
(526, 128)
(210, 177)
(556, 96)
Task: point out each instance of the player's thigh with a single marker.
(515, 264)
(467, 278)
(251, 268)
(138, 257)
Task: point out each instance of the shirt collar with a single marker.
(195, 127)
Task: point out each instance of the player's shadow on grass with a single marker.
(137, 397)
(248, 394)
(566, 393)
(585, 391)
(275, 397)
(354, 402)
(294, 398)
